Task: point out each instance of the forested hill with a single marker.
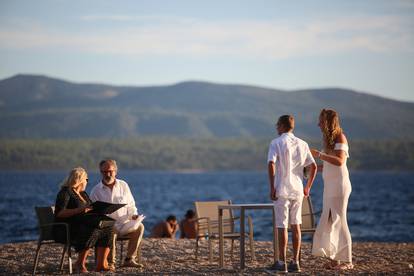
(43, 107)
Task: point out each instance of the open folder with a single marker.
(104, 208)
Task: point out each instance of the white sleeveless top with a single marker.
(336, 178)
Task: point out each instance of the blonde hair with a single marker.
(331, 128)
(75, 178)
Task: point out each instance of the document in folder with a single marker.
(104, 208)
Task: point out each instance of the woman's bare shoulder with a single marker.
(341, 139)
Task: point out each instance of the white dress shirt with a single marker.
(120, 194)
(290, 155)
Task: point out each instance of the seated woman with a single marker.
(72, 203)
(188, 226)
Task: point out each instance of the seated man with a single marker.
(128, 223)
(188, 226)
(165, 229)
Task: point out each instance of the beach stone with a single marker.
(169, 257)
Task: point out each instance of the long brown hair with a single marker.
(331, 129)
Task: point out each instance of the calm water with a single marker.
(381, 206)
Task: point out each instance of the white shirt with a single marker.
(120, 194)
(290, 155)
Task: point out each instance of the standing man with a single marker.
(287, 158)
(128, 223)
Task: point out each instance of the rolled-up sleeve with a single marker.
(308, 157)
(272, 155)
(132, 209)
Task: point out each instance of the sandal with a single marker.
(344, 266)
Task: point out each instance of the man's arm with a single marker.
(271, 169)
(171, 230)
(311, 178)
(132, 209)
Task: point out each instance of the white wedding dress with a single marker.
(332, 238)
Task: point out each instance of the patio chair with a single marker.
(308, 216)
(207, 220)
(45, 218)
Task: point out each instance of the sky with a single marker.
(367, 46)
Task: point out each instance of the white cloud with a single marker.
(243, 39)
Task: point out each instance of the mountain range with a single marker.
(33, 106)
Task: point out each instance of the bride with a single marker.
(332, 238)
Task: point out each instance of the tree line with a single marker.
(156, 153)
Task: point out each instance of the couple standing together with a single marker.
(288, 157)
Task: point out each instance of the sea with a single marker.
(381, 206)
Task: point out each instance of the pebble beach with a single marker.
(176, 257)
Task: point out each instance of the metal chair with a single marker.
(308, 216)
(207, 221)
(45, 217)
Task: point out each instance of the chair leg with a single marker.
(63, 257)
(36, 258)
(210, 251)
(196, 249)
(70, 260)
(252, 247)
(232, 247)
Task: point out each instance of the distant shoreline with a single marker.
(184, 155)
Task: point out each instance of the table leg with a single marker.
(242, 237)
(221, 240)
(275, 240)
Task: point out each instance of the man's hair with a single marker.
(109, 162)
(171, 218)
(287, 122)
(190, 214)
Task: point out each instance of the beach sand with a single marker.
(170, 257)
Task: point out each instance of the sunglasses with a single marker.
(108, 171)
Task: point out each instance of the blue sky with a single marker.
(365, 45)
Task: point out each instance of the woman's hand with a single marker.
(315, 153)
(86, 209)
(66, 213)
